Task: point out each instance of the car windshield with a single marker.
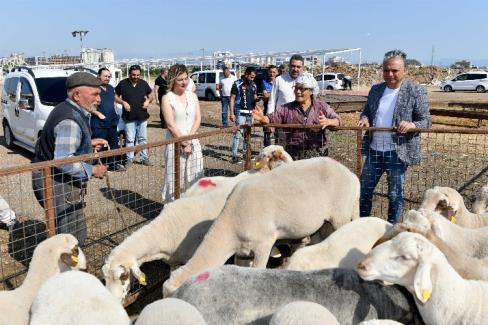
(52, 91)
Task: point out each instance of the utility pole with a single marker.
(432, 56)
(203, 56)
(80, 33)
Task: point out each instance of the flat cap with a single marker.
(82, 79)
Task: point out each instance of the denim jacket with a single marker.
(413, 106)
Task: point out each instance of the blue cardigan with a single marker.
(413, 106)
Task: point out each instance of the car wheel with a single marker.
(209, 95)
(330, 88)
(447, 89)
(480, 89)
(8, 136)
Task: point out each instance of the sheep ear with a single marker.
(139, 275)
(422, 282)
(69, 259)
(124, 276)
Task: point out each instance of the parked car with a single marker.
(28, 97)
(330, 81)
(207, 83)
(473, 80)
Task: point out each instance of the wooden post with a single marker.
(359, 157)
(247, 141)
(49, 201)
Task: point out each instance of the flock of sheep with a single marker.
(432, 268)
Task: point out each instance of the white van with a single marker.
(28, 97)
(207, 83)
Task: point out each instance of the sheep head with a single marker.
(271, 157)
(64, 247)
(404, 260)
(117, 278)
(445, 200)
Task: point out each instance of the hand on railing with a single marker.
(363, 122)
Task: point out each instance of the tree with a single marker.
(464, 64)
(413, 62)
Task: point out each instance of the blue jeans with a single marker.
(225, 100)
(241, 120)
(135, 129)
(378, 162)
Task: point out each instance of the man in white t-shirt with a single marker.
(225, 87)
(401, 104)
(283, 91)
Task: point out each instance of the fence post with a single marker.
(176, 175)
(47, 183)
(247, 141)
(359, 158)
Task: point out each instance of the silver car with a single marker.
(474, 80)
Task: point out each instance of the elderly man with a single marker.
(398, 103)
(135, 95)
(282, 91)
(303, 143)
(67, 133)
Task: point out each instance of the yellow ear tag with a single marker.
(142, 279)
(74, 259)
(425, 294)
(257, 164)
(453, 219)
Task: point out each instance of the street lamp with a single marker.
(81, 33)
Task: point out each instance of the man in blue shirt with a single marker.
(67, 133)
(107, 128)
(267, 87)
(242, 103)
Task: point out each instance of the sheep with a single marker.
(54, 255)
(290, 202)
(442, 295)
(338, 250)
(303, 312)
(270, 157)
(468, 267)
(471, 242)
(76, 297)
(170, 311)
(480, 205)
(450, 204)
(174, 235)
(380, 322)
(240, 295)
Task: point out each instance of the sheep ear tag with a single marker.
(142, 279)
(69, 259)
(425, 294)
(422, 282)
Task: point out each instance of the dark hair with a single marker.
(99, 73)
(134, 67)
(396, 54)
(163, 70)
(297, 57)
(272, 66)
(250, 70)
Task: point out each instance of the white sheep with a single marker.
(270, 157)
(442, 295)
(338, 250)
(290, 202)
(480, 205)
(174, 235)
(303, 312)
(380, 322)
(170, 311)
(448, 202)
(52, 256)
(76, 298)
(468, 267)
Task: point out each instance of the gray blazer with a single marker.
(413, 106)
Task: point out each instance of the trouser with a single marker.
(241, 120)
(378, 162)
(69, 201)
(110, 134)
(136, 133)
(225, 101)
(298, 153)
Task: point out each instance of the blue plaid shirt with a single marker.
(68, 139)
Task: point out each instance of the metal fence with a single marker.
(124, 201)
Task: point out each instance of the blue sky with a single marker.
(150, 28)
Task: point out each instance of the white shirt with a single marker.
(226, 85)
(283, 91)
(382, 141)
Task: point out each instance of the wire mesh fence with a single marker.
(121, 203)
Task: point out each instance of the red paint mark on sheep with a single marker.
(206, 183)
(202, 277)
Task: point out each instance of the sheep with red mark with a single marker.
(290, 202)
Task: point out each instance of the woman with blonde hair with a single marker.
(181, 111)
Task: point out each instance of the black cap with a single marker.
(82, 79)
